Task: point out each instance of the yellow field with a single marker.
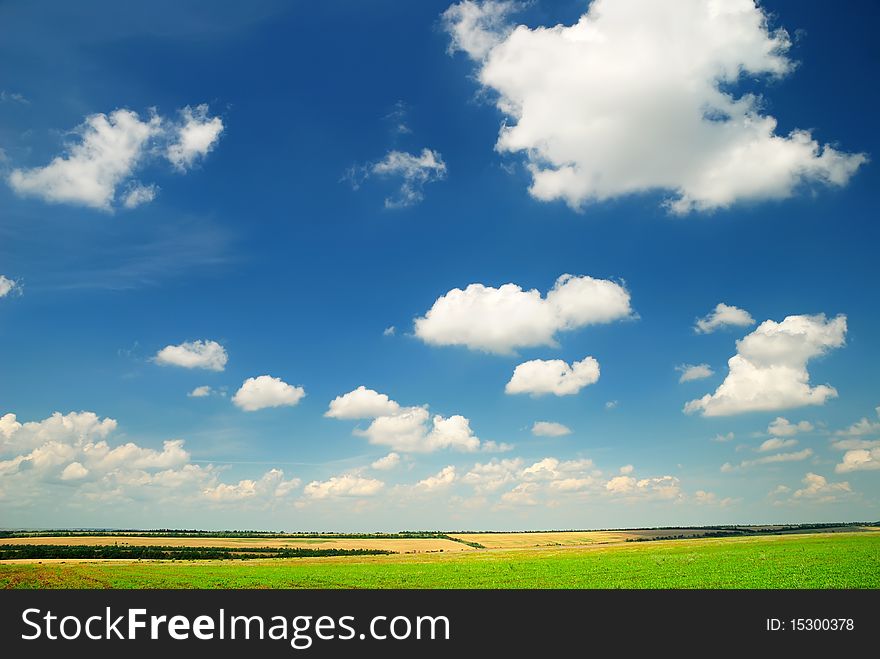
(399, 545)
(566, 538)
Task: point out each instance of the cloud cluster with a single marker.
(637, 96)
(500, 320)
(769, 371)
(553, 376)
(73, 451)
(107, 151)
(209, 355)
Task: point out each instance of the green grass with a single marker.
(840, 560)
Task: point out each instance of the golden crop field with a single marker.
(567, 538)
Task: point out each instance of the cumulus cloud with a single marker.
(8, 286)
(769, 371)
(346, 485)
(550, 429)
(723, 315)
(782, 427)
(661, 487)
(538, 377)
(860, 459)
(693, 372)
(362, 403)
(106, 152)
(413, 170)
(439, 481)
(523, 494)
(491, 476)
(387, 462)
(499, 320)
(702, 497)
(271, 485)
(194, 137)
(209, 355)
(639, 96)
(818, 487)
(407, 429)
(265, 391)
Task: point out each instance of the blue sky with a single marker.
(312, 176)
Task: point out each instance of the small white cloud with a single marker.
(209, 355)
(386, 463)
(200, 392)
(626, 469)
(13, 97)
(724, 438)
(723, 315)
(775, 444)
(611, 404)
(346, 485)
(693, 372)
(439, 481)
(661, 487)
(499, 320)
(538, 377)
(74, 471)
(389, 331)
(796, 456)
(414, 171)
(265, 391)
(550, 429)
(194, 137)
(8, 286)
(362, 403)
(637, 97)
(769, 371)
(818, 487)
(782, 427)
(139, 194)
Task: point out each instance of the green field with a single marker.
(821, 560)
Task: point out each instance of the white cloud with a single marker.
(782, 427)
(693, 372)
(194, 354)
(346, 485)
(391, 330)
(769, 371)
(74, 471)
(861, 428)
(8, 286)
(390, 461)
(611, 404)
(362, 403)
(723, 315)
(76, 428)
(271, 485)
(409, 430)
(194, 137)
(626, 469)
(550, 429)
(13, 97)
(265, 391)
(724, 438)
(637, 96)
(490, 476)
(200, 392)
(818, 487)
(439, 481)
(502, 319)
(522, 495)
(538, 377)
(139, 194)
(414, 172)
(775, 444)
(862, 459)
(662, 487)
(107, 151)
(795, 456)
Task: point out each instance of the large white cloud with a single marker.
(194, 354)
(723, 315)
(499, 320)
(769, 371)
(108, 150)
(407, 429)
(362, 403)
(636, 96)
(538, 377)
(265, 391)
